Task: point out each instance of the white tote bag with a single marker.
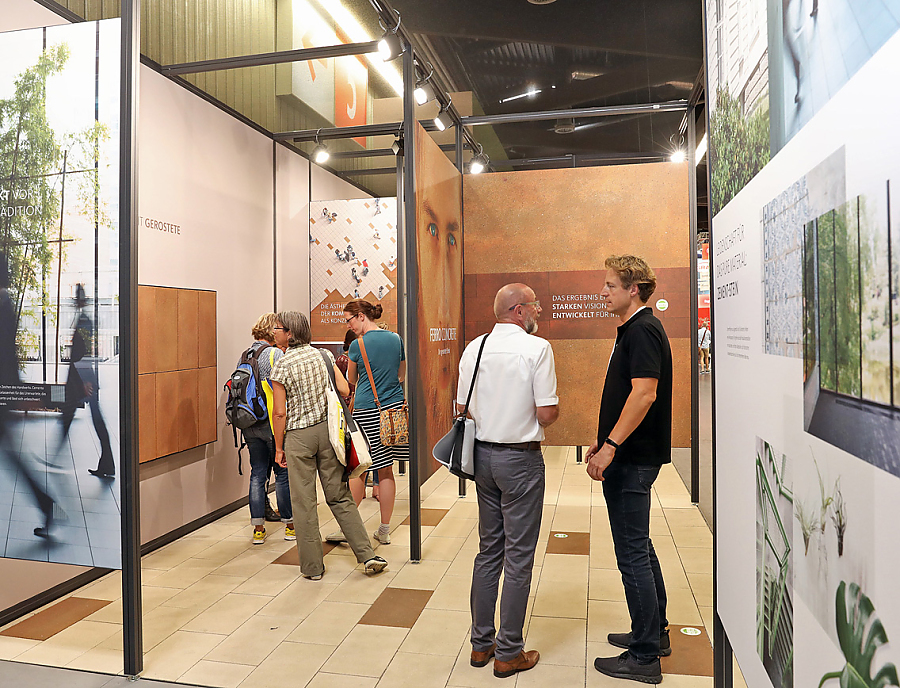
(337, 421)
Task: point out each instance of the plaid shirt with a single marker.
(303, 373)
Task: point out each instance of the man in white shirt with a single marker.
(513, 401)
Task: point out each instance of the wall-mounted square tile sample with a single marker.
(187, 329)
(147, 417)
(208, 392)
(167, 422)
(206, 320)
(163, 339)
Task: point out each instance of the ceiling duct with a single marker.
(565, 125)
(541, 2)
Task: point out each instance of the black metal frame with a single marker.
(695, 295)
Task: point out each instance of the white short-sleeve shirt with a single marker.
(516, 375)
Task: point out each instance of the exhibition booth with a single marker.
(147, 226)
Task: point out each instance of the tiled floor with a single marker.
(219, 612)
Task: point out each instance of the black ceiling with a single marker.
(578, 53)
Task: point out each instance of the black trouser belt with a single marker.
(513, 445)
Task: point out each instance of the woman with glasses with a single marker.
(299, 381)
(387, 361)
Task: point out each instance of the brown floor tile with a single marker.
(573, 543)
(691, 654)
(52, 620)
(292, 556)
(398, 607)
(430, 517)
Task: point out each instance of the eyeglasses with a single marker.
(536, 304)
(283, 329)
(347, 320)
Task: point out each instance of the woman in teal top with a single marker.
(387, 361)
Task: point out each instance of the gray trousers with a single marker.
(308, 452)
(510, 487)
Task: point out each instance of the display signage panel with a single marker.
(804, 271)
(59, 294)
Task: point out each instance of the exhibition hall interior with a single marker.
(181, 178)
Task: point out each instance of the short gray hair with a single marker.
(297, 326)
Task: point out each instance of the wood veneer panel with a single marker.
(165, 335)
(206, 317)
(188, 409)
(208, 392)
(146, 329)
(147, 417)
(167, 407)
(47, 623)
(188, 329)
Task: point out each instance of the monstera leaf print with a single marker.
(859, 640)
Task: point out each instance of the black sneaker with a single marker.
(272, 516)
(626, 666)
(623, 640)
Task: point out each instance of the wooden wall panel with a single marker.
(187, 329)
(146, 324)
(167, 396)
(166, 326)
(208, 392)
(147, 417)
(207, 328)
(188, 409)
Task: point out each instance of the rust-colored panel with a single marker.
(147, 417)
(208, 390)
(188, 409)
(681, 390)
(50, 621)
(165, 335)
(206, 318)
(146, 329)
(188, 329)
(167, 395)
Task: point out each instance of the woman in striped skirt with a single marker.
(387, 362)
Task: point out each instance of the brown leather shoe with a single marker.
(480, 659)
(524, 662)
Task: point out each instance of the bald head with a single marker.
(509, 297)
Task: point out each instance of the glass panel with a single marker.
(873, 259)
(895, 286)
(825, 232)
(846, 260)
(810, 343)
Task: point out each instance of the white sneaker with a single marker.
(383, 538)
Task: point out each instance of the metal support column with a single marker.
(129, 472)
(723, 658)
(695, 289)
(411, 285)
(459, 166)
(579, 454)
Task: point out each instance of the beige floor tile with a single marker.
(546, 674)
(270, 581)
(360, 588)
(185, 574)
(702, 587)
(10, 648)
(572, 518)
(696, 559)
(151, 598)
(224, 551)
(219, 674)
(426, 575)
(673, 501)
(417, 671)
(438, 632)
(204, 593)
(454, 527)
(464, 674)
(452, 593)
(560, 641)
(159, 624)
(442, 548)
(253, 641)
(299, 599)
(366, 651)
(465, 508)
(226, 615)
(329, 623)
(51, 655)
(557, 599)
(681, 608)
(107, 588)
(707, 614)
(246, 565)
(323, 680)
(605, 617)
(606, 584)
(173, 554)
(692, 536)
(463, 564)
(178, 653)
(565, 568)
(290, 664)
(690, 516)
(100, 660)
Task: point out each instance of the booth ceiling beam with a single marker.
(581, 160)
(513, 117)
(279, 57)
(381, 152)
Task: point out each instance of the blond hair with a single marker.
(262, 330)
(633, 270)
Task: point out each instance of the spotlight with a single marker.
(479, 162)
(397, 146)
(320, 154)
(677, 156)
(443, 120)
(390, 47)
(424, 92)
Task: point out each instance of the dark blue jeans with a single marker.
(262, 459)
(626, 489)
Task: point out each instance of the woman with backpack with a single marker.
(299, 381)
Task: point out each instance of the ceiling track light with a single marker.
(443, 120)
(320, 153)
(479, 163)
(424, 92)
(390, 47)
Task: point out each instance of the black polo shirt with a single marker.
(642, 350)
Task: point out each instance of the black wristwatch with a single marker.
(611, 443)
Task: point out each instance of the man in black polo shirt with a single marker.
(634, 439)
